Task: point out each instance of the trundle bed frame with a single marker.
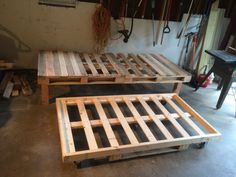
(125, 126)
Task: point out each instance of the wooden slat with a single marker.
(8, 90)
(194, 114)
(90, 64)
(187, 119)
(141, 64)
(155, 119)
(160, 65)
(153, 65)
(7, 78)
(122, 70)
(66, 129)
(49, 63)
(117, 98)
(130, 120)
(170, 118)
(62, 62)
(124, 123)
(87, 126)
(169, 64)
(131, 148)
(41, 64)
(131, 65)
(56, 64)
(140, 121)
(74, 64)
(80, 64)
(101, 64)
(106, 124)
(69, 66)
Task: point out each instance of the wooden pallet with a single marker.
(93, 68)
(73, 68)
(127, 126)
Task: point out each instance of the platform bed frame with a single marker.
(156, 123)
(73, 68)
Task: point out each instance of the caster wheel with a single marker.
(202, 145)
(163, 102)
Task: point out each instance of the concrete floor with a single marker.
(30, 146)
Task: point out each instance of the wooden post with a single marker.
(177, 87)
(45, 94)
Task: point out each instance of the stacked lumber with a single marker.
(13, 84)
(5, 65)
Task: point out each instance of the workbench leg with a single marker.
(45, 94)
(177, 87)
(224, 92)
(220, 85)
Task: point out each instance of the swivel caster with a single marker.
(202, 145)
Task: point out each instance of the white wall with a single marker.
(43, 27)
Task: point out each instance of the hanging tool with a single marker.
(194, 44)
(188, 36)
(202, 32)
(127, 33)
(153, 26)
(122, 9)
(186, 21)
(166, 28)
(139, 4)
(164, 6)
(144, 8)
(180, 9)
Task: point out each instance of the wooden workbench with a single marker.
(73, 68)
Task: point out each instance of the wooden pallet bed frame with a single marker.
(150, 126)
(73, 68)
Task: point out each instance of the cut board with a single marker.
(112, 126)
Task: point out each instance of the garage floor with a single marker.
(30, 146)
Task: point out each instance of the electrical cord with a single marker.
(127, 33)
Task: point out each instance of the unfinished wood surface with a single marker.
(140, 121)
(8, 90)
(138, 68)
(87, 126)
(131, 120)
(124, 122)
(15, 93)
(106, 124)
(5, 65)
(25, 86)
(170, 118)
(7, 77)
(73, 68)
(158, 136)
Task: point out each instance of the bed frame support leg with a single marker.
(177, 87)
(45, 94)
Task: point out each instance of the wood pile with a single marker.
(14, 84)
(5, 65)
